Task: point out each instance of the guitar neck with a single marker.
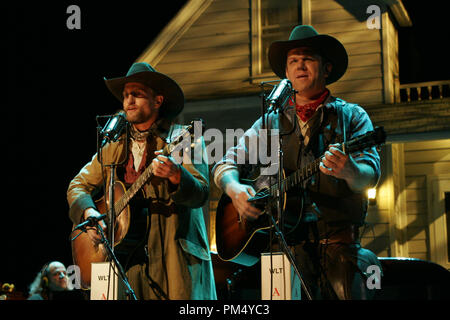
(307, 171)
(362, 142)
(120, 204)
(297, 177)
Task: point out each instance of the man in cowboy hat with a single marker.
(174, 262)
(326, 243)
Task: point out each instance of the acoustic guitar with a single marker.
(131, 226)
(242, 241)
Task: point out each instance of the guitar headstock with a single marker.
(374, 138)
(195, 127)
(200, 123)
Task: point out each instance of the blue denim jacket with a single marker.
(354, 120)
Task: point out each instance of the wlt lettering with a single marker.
(276, 270)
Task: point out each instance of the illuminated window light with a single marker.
(372, 196)
(372, 193)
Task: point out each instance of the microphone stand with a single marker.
(111, 211)
(264, 117)
(279, 230)
(112, 181)
(112, 257)
(109, 251)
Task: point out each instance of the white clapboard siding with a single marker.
(415, 182)
(363, 72)
(221, 40)
(390, 59)
(376, 236)
(416, 233)
(224, 16)
(213, 55)
(204, 65)
(375, 230)
(214, 75)
(225, 5)
(327, 16)
(434, 168)
(363, 48)
(229, 87)
(435, 155)
(428, 145)
(363, 98)
(421, 159)
(333, 27)
(356, 85)
(362, 60)
(323, 5)
(355, 48)
(192, 54)
(348, 37)
(216, 29)
(417, 224)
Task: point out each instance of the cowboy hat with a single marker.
(306, 36)
(144, 73)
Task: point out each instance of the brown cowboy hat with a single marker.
(306, 36)
(144, 73)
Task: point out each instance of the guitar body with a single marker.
(242, 241)
(131, 221)
(130, 231)
(233, 235)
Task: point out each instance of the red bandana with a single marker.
(306, 111)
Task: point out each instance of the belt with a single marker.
(348, 235)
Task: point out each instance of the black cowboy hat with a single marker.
(144, 73)
(306, 36)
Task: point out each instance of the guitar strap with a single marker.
(341, 123)
(327, 133)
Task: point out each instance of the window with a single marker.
(272, 20)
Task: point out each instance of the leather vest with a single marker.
(128, 175)
(326, 198)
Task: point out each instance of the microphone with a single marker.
(113, 128)
(280, 95)
(90, 222)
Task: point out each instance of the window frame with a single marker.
(256, 73)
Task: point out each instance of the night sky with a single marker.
(55, 89)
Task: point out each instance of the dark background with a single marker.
(55, 89)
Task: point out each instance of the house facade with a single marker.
(217, 51)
